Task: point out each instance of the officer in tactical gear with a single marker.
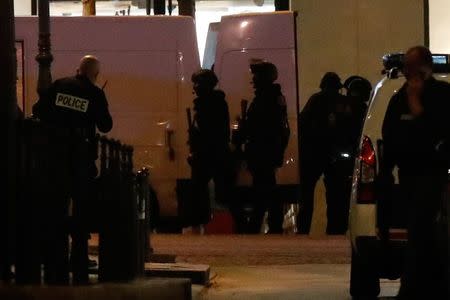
(209, 139)
(329, 127)
(359, 90)
(358, 87)
(74, 107)
(416, 136)
(266, 132)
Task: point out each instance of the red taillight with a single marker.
(368, 152)
(366, 186)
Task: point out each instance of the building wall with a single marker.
(440, 26)
(350, 37)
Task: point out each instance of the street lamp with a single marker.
(44, 57)
(8, 115)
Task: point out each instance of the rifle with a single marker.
(190, 135)
(189, 118)
(244, 105)
(238, 134)
(104, 85)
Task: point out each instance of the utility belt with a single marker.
(74, 135)
(82, 133)
(37, 127)
(84, 137)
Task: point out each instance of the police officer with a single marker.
(76, 107)
(267, 133)
(361, 89)
(209, 139)
(416, 135)
(329, 125)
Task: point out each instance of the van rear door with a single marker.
(265, 36)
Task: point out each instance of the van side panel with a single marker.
(145, 61)
(267, 36)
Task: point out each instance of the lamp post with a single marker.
(89, 7)
(281, 5)
(159, 7)
(8, 116)
(186, 8)
(8, 57)
(34, 7)
(44, 57)
(148, 6)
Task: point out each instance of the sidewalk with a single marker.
(296, 282)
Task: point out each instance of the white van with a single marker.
(378, 233)
(260, 36)
(147, 63)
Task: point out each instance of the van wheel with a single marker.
(364, 280)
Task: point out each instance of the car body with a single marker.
(378, 231)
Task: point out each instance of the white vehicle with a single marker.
(270, 37)
(378, 233)
(147, 63)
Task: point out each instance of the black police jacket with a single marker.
(418, 145)
(75, 103)
(330, 123)
(266, 128)
(211, 130)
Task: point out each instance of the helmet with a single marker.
(359, 86)
(205, 77)
(266, 69)
(331, 80)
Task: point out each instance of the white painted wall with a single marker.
(350, 36)
(22, 7)
(440, 26)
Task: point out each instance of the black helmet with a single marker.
(331, 80)
(205, 77)
(358, 85)
(267, 69)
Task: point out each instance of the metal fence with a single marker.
(118, 203)
(124, 195)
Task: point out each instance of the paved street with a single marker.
(250, 250)
(321, 282)
(268, 267)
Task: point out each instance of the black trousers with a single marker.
(75, 183)
(203, 171)
(337, 179)
(266, 199)
(425, 274)
(338, 185)
(83, 172)
(56, 244)
(42, 227)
